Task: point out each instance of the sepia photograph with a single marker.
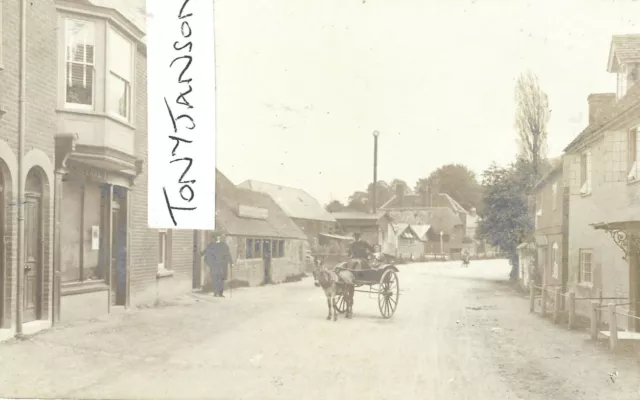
(339, 199)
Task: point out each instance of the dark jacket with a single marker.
(218, 257)
(360, 249)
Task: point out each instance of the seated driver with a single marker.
(358, 252)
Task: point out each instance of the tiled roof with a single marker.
(415, 200)
(440, 218)
(229, 198)
(357, 215)
(630, 101)
(626, 47)
(296, 203)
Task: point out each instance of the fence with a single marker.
(564, 304)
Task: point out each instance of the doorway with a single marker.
(33, 248)
(266, 259)
(119, 247)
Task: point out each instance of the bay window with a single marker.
(120, 62)
(80, 63)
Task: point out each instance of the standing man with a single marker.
(218, 258)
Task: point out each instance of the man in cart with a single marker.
(359, 253)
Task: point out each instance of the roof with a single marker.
(229, 198)
(337, 237)
(439, 218)
(296, 203)
(556, 169)
(357, 215)
(421, 230)
(629, 102)
(401, 228)
(624, 49)
(415, 200)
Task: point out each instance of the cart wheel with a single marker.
(340, 304)
(388, 293)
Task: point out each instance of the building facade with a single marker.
(373, 228)
(39, 177)
(266, 245)
(602, 179)
(551, 227)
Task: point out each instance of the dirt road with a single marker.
(457, 334)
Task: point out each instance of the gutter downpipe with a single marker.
(21, 174)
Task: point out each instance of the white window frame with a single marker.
(554, 196)
(67, 20)
(581, 262)
(163, 240)
(587, 184)
(554, 260)
(110, 75)
(634, 153)
(622, 81)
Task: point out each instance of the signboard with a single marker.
(252, 212)
(181, 114)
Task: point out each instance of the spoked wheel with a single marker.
(340, 304)
(388, 293)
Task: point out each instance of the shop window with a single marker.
(281, 248)
(586, 269)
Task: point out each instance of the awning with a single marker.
(337, 237)
(623, 233)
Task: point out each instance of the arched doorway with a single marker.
(33, 246)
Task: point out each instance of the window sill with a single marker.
(73, 288)
(164, 273)
(585, 285)
(71, 110)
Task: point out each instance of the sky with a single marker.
(301, 85)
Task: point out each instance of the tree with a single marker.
(532, 117)
(457, 181)
(359, 201)
(505, 220)
(335, 206)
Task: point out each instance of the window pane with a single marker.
(79, 84)
(70, 233)
(249, 248)
(80, 40)
(118, 96)
(120, 53)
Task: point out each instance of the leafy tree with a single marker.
(505, 220)
(457, 181)
(359, 201)
(335, 206)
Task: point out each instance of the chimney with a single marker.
(400, 195)
(599, 105)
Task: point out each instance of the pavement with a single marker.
(458, 333)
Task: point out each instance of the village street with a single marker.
(457, 334)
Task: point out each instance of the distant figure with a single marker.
(218, 258)
(465, 258)
(359, 252)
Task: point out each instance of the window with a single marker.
(120, 56)
(80, 67)
(274, 248)
(586, 271)
(622, 81)
(554, 260)
(249, 249)
(634, 154)
(281, 248)
(554, 195)
(585, 173)
(163, 250)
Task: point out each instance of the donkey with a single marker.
(336, 283)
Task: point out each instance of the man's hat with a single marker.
(216, 233)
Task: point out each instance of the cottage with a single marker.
(301, 207)
(601, 172)
(266, 245)
(373, 228)
(407, 242)
(551, 226)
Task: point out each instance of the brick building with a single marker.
(40, 128)
(601, 174)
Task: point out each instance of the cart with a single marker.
(382, 280)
